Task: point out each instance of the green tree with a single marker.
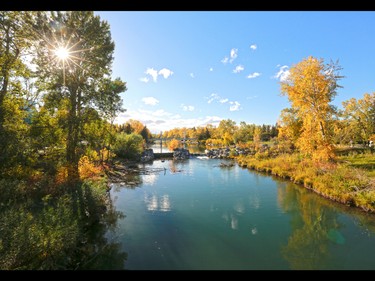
(244, 133)
(128, 146)
(82, 75)
(360, 117)
(15, 42)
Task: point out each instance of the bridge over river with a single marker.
(160, 140)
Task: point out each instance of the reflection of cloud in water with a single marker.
(234, 222)
(239, 207)
(152, 203)
(225, 176)
(232, 218)
(165, 204)
(225, 216)
(236, 173)
(254, 201)
(155, 203)
(150, 179)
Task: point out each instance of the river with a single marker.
(195, 214)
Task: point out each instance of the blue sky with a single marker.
(186, 69)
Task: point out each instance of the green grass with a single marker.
(364, 161)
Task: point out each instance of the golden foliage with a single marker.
(310, 88)
(61, 175)
(214, 142)
(87, 169)
(173, 144)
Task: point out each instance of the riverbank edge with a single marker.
(345, 185)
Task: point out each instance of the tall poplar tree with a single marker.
(310, 87)
(74, 60)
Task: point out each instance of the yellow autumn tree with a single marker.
(173, 144)
(310, 86)
(289, 130)
(257, 137)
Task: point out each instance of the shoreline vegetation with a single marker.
(336, 181)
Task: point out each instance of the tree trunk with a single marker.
(322, 130)
(4, 90)
(72, 139)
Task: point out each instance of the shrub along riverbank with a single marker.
(341, 181)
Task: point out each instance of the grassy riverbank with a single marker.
(351, 180)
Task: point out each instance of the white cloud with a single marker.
(211, 69)
(233, 54)
(153, 73)
(150, 100)
(253, 47)
(225, 60)
(144, 79)
(213, 97)
(192, 75)
(160, 120)
(235, 106)
(161, 112)
(252, 97)
(232, 57)
(165, 72)
(238, 68)
(283, 73)
(253, 75)
(187, 107)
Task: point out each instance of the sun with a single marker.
(62, 53)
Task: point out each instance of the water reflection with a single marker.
(233, 221)
(150, 179)
(181, 166)
(157, 203)
(177, 222)
(314, 227)
(254, 201)
(164, 149)
(67, 232)
(239, 206)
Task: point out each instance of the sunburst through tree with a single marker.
(63, 51)
(74, 59)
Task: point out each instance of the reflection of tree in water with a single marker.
(66, 232)
(314, 226)
(99, 252)
(178, 166)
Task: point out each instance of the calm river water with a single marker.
(195, 214)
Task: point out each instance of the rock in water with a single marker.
(181, 154)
